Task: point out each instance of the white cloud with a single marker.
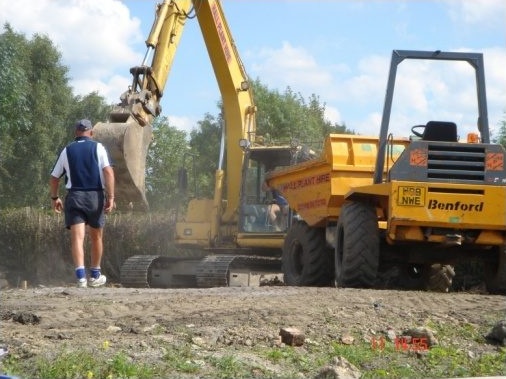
(186, 124)
(290, 66)
(333, 115)
(110, 88)
(369, 125)
(95, 38)
(367, 83)
(425, 90)
(483, 12)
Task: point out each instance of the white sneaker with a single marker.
(99, 282)
(81, 283)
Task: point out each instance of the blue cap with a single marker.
(83, 125)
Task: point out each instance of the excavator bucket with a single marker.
(127, 144)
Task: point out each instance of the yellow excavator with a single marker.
(236, 242)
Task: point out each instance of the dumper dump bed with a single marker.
(316, 189)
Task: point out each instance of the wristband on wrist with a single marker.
(55, 197)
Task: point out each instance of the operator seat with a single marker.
(440, 131)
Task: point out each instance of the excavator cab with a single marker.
(259, 212)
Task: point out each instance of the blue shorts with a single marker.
(84, 207)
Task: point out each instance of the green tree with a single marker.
(37, 110)
(14, 108)
(91, 106)
(205, 147)
(288, 116)
(165, 157)
(281, 118)
(501, 135)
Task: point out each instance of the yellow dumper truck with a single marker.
(419, 205)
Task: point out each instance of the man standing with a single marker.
(89, 180)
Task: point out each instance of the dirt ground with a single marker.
(37, 320)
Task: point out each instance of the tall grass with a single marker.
(35, 246)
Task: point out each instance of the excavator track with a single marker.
(219, 270)
(135, 271)
(212, 271)
(145, 271)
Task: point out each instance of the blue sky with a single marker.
(338, 50)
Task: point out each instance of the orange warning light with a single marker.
(473, 138)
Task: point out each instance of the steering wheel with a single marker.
(416, 132)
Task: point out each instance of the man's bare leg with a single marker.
(97, 246)
(77, 233)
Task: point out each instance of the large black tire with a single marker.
(495, 272)
(306, 260)
(357, 246)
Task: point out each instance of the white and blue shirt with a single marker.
(82, 162)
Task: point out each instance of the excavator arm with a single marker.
(128, 132)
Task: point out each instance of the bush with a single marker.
(35, 246)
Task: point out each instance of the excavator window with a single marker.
(254, 208)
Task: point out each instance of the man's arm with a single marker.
(53, 186)
(109, 188)
(53, 190)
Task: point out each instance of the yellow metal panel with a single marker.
(356, 153)
(199, 210)
(405, 233)
(164, 36)
(196, 225)
(376, 190)
(400, 233)
(449, 205)
(193, 233)
(490, 237)
(310, 193)
(274, 241)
